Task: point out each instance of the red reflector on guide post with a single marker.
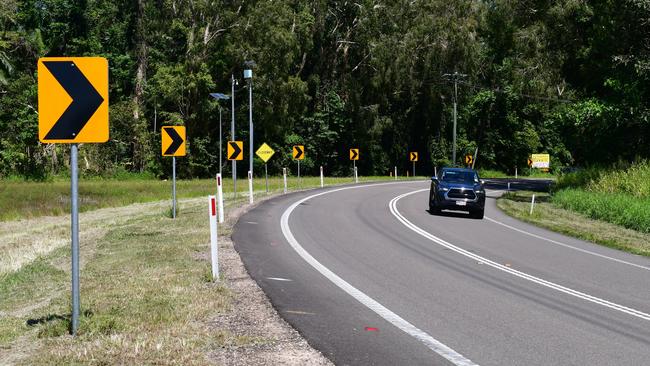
(218, 181)
(214, 206)
(372, 329)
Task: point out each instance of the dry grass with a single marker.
(574, 224)
(145, 293)
(147, 296)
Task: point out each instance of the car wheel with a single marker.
(478, 214)
(434, 210)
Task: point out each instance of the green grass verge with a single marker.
(549, 215)
(146, 296)
(34, 199)
(616, 208)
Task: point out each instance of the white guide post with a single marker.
(220, 197)
(214, 254)
(532, 205)
(322, 184)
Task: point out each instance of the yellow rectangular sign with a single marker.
(354, 154)
(413, 156)
(173, 140)
(235, 150)
(72, 100)
(542, 161)
(299, 152)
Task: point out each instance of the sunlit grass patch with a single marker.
(549, 215)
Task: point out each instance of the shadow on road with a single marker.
(458, 214)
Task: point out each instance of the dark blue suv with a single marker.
(457, 189)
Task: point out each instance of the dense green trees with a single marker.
(567, 77)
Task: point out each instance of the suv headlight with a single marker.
(444, 189)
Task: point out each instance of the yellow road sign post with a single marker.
(265, 152)
(469, 159)
(354, 156)
(73, 109)
(413, 157)
(299, 154)
(235, 150)
(540, 161)
(172, 141)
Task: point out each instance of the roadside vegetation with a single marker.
(523, 173)
(606, 206)
(147, 294)
(21, 199)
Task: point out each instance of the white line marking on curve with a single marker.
(433, 344)
(279, 279)
(568, 246)
(393, 208)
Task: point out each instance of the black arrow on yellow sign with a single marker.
(235, 150)
(85, 100)
(177, 140)
(298, 151)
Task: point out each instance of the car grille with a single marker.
(457, 193)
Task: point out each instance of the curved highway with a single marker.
(368, 276)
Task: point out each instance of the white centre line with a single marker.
(393, 209)
(432, 343)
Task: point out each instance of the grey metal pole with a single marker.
(266, 174)
(475, 156)
(250, 127)
(173, 187)
(413, 169)
(299, 185)
(74, 208)
(220, 143)
(453, 156)
(232, 131)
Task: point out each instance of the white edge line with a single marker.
(569, 246)
(433, 344)
(393, 208)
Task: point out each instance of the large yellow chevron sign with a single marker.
(73, 100)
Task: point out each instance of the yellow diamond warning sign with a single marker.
(265, 152)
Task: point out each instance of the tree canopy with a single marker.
(566, 77)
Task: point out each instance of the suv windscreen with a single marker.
(451, 176)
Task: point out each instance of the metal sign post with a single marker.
(250, 187)
(173, 187)
(299, 181)
(414, 169)
(354, 170)
(284, 177)
(74, 208)
(82, 118)
(266, 176)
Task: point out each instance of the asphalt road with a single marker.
(368, 276)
